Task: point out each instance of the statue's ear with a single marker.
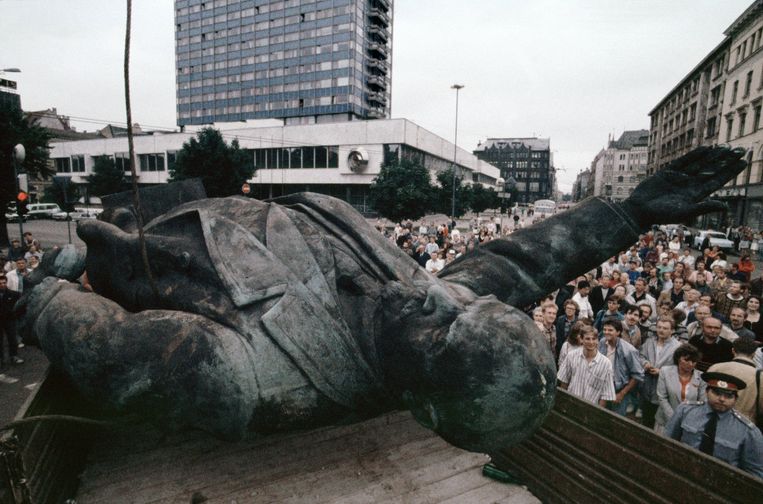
(248, 270)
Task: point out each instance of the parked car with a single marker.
(11, 217)
(716, 239)
(42, 210)
(670, 231)
(77, 214)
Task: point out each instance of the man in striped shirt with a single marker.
(586, 373)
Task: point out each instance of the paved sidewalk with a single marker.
(29, 374)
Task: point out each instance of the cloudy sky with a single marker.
(572, 70)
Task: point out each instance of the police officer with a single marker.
(716, 428)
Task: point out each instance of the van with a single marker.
(41, 210)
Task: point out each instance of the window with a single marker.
(756, 119)
(729, 126)
(151, 162)
(63, 165)
(715, 96)
(171, 158)
(748, 84)
(78, 164)
(620, 178)
(711, 127)
(122, 160)
(742, 118)
(734, 92)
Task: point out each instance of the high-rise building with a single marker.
(9, 95)
(298, 60)
(526, 160)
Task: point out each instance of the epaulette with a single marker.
(743, 419)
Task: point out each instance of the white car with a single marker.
(77, 214)
(716, 239)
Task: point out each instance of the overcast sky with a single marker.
(571, 70)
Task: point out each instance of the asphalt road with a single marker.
(48, 232)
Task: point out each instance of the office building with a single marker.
(618, 169)
(339, 159)
(303, 62)
(526, 160)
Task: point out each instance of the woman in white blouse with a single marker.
(678, 383)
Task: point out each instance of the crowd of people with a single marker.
(22, 257)
(669, 337)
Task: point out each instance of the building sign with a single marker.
(730, 192)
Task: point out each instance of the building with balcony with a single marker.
(741, 119)
(719, 102)
(526, 160)
(618, 169)
(690, 115)
(340, 159)
(300, 61)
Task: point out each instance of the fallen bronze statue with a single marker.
(295, 313)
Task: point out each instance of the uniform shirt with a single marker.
(737, 441)
(744, 369)
(590, 381)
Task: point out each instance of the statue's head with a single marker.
(480, 373)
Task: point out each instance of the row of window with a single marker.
(74, 164)
(234, 14)
(748, 46)
(146, 162)
(741, 128)
(296, 157)
(262, 39)
(336, 50)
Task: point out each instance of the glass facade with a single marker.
(298, 60)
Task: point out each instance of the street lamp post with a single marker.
(457, 87)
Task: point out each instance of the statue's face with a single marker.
(490, 378)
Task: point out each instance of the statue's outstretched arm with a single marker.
(536, 260)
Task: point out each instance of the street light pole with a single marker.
(458, 88)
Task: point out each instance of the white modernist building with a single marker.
(340, 159)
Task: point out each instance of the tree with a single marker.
(483, 199)
(443, 201)
(14, 129)
(62, 192)
(402, 190)
(223, 169)
(107, 177)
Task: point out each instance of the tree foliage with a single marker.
(483, 199)
(443, 200)
(402, 190)
(222, 169)
(14, 129)
(107, 177)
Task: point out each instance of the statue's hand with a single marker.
(678, 191)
